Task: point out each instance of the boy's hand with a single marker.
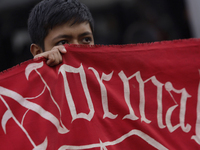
(53, 56)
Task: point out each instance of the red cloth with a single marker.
(144, 96)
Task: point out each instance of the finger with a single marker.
(58, 58)
(55, 59)
(62, 49)
(50, 59)
(37, 56)
(44, 54)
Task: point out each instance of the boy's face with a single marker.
(79, 33)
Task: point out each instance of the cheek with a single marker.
(92, 43)
(47, 46)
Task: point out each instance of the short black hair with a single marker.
(49, 13)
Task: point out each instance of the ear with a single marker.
(35, 49)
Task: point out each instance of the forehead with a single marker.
(69, 29)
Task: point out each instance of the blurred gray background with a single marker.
(116, 22)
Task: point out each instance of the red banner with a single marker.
(144, 96)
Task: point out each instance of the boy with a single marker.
(53, 23)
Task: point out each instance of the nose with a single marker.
(75, 41)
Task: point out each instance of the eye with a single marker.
(62, 42)
(87, 40)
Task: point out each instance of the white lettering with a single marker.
(184, 96)
(104, 96)
(159, 100)
(197, 129)
(66, 68)
(127, 96)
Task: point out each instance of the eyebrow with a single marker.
(69, 36)
(85, 33)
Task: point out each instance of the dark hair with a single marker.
(49, 13)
